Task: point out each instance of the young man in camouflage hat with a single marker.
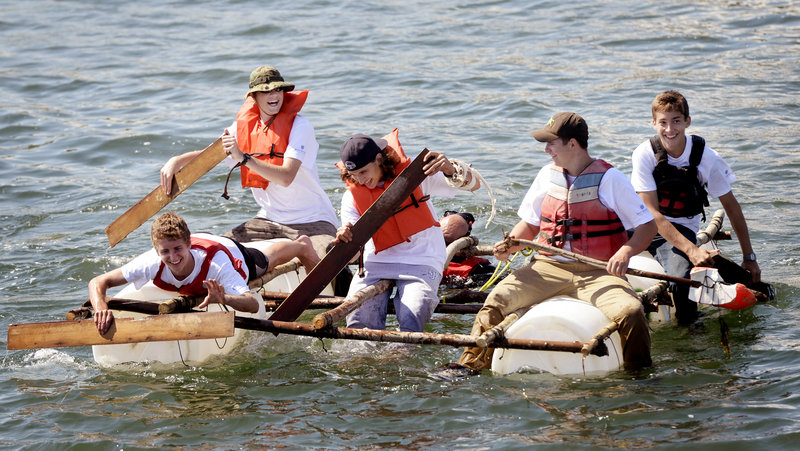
(276, 149)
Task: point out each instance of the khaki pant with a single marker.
(545, 278)
(257, 229)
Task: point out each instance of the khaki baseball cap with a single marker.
(563, 125)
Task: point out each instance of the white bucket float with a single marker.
(560, 318)
(188, 351)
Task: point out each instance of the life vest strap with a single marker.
(414, 203)
(576, 236)
(228, 179)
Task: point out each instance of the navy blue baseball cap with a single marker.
(359, 150)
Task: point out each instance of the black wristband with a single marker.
(245, 158)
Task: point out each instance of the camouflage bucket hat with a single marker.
(267, 78)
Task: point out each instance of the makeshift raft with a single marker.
(560, 335)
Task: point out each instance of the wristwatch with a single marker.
(751, 257)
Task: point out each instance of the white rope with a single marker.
(461, 180)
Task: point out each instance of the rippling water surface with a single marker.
(96, 96)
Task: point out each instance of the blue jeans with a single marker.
(676, 263)
(416, 298)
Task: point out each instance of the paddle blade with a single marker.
(183, 326)
(713, 291)
(156, 200)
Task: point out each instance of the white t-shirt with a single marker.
(425, 248)
(615, 192)
(712, 171)
(304, 200)
(144, 268)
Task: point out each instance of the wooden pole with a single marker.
(293, 328)
(333, 316)
(598, 263)
(589, 347)
(426, 338)
(497, 331)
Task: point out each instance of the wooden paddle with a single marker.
(181, 326)
(602, 264)
(341, 254)
(156, 200)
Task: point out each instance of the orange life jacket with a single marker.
(196, 288)
(267, 143)
(575, 214)
(412, 217)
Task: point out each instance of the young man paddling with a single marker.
(583, 205)
(198, 264)
(409, 247)
(671, 172)
(276, 149)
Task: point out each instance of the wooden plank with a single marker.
(366, 226)
(156, 200)
(181, 326)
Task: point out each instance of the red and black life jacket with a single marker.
(196, 288)
(680, 193)
(575, 214)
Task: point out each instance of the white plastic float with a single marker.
(568, 319)
(560, 318)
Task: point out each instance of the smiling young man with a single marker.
(583, 205)
(276, 149)
(198, 265)
(674, 173)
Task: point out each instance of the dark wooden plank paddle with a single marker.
(342, 253)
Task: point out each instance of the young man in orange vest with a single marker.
(198, 265)
(276, 149)
(583, 205)
(409, 247)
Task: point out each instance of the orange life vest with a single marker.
(412, 217)
(196, 288)
(267, 143)
(575, 214)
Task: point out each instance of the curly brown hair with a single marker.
(169, 226)
(388, 167)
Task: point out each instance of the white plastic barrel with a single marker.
(559, 319)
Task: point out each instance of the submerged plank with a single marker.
(183, 326)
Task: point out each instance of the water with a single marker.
(96, 96)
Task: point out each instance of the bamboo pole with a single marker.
(498, 330)
(331, 317)
(293, 265)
